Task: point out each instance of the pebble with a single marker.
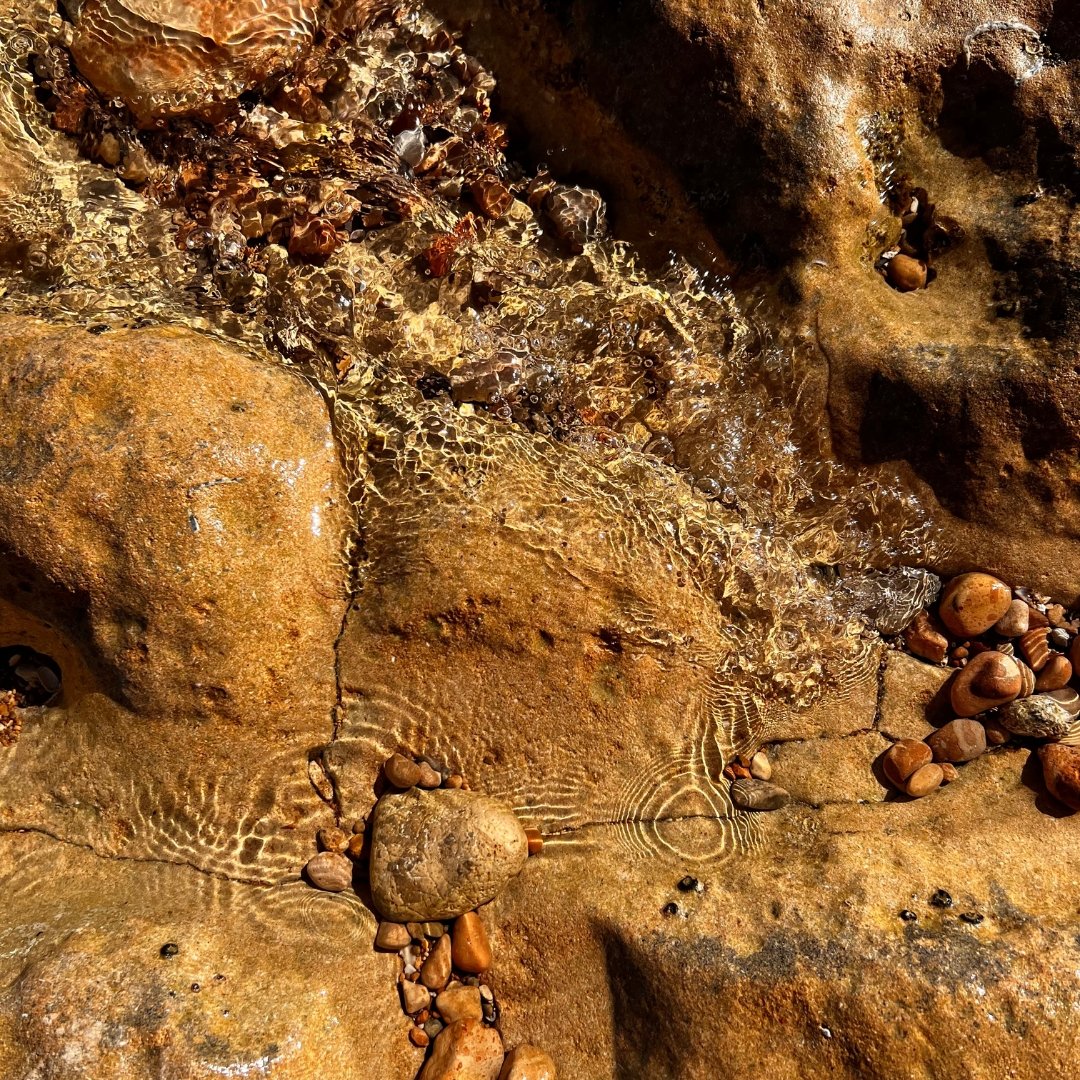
(903, 758)
(972, 918)
(948, 772)
(418, 1037)
(906, 274)
(471, 950)
(434, 930)
(433, 1026)
(758, 795)
(1015, 621)
(1036, 647)
(1061, 772)
(459, 1003)
(392, 936)
(438, 854)
(1055, 675)
(1027, 679)
(1059, 638)
(416, 931)
(466, 1050)
(908, 915)
(735, 771)
(329, 871)
(1068, 699)
(401, 772)
(333, 840)
(429, 778)
(690, 884)
(527, 1062)
(761, 766)
(414, 997)
(988, 680)
(924, 780)
(923, 640)
(996, 735)
(358, 846)
(941, 899)
(972, 603)
(959, 740)
(1035, 717)
(535, 841)
(454, 780)
(435, 972)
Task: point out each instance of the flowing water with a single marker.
(472, 326)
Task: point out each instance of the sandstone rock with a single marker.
(906, 274)
(465, 1051)
(435, 973)
(1061, 771)
(527, 1062)
(958, 741)
(333, 840)
(820, 771)
(1015, 621)
(437, 854)
(924, 640)
(1035, 717)
(471, 950)
(428, 777)
(912, 697)
(760, 766)
(329, 871)
(162, 59)
(1055, 674)
(949, 772)
(921, 782)
(904, 758)
(401, 772)
(392, 936)
(415, 997)
(971, 603)
(459, 1003)
(989, 679)
(749, 794)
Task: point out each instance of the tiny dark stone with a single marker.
(670, 909)
(941, 899)
(170, 948)
(689, 884)
(195, 988)
(908, 915)
(972, 917)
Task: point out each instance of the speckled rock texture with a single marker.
(438, 854)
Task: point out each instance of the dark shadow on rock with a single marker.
(1031, 776)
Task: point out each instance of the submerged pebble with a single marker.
(435, 972)
(471, 951)
(465, 1050)
(971, 603)
(459, 1003)
(750, 794)
(329, 871)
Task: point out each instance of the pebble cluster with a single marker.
(1016, 655)
(444, 980)
(751, 786)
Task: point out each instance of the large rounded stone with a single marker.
(465, 1050)
(437, 854)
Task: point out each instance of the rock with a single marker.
(329, 871)
(535, 841)
(415, 997)
(949, 772)
(163, 59)
(1068, 699)
(912, 698)
(435, 973)
(459, 1003)
(1074, 653)
(401, 772)
(760, 766)
(905, 273)
(418, 1037)
(466, 1050)
(758, 795)
(971, 603)
(903, 758)
(416, 931)
(1036, 647)
(1027, 679)
(958, 741)
(996, 735)
(577, 215)
(989, 679)
(1055, 674)
(1061, 772)
(1015, 620)
(849, 771)
(333, 840)
(428, 778)
(924, 640)
(471, 950)
(527, 1062)
(392, 936)
(434, 930)
(924, 780)
(437, 854)
(1035, 717)
(433, 1026)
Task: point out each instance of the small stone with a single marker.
(435, 972)
(1068, 699)
(471, 950)
(690, 884)
(959, 740)
(996, 735)
(465, 1050)
(434, 930)
(670, 908)
(949, 772)
(333, 840)
(972, 918)
(1059, 638)
(1035, 645)
(908, 915)
(906, 274)
(429, 778)
(433, 1025)
(416, 931)
(486, 993)
(989, 679)
(1036, 618)
(459, 1003)
(941, 899)
(1055, 675)
(455, 781)
(1015, 621)
(923, 781)
(903, 758)
(392, 936)
(358, 846)
(1061, 772)
(971, 604)
(1057, 616)
(1037, 717)
(329, 871)
(761, 766)
(924, 640)
(535, 841)
(527, 1062)
(401, 772)
(418, 1037)
(753, 794)
(414, 997)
